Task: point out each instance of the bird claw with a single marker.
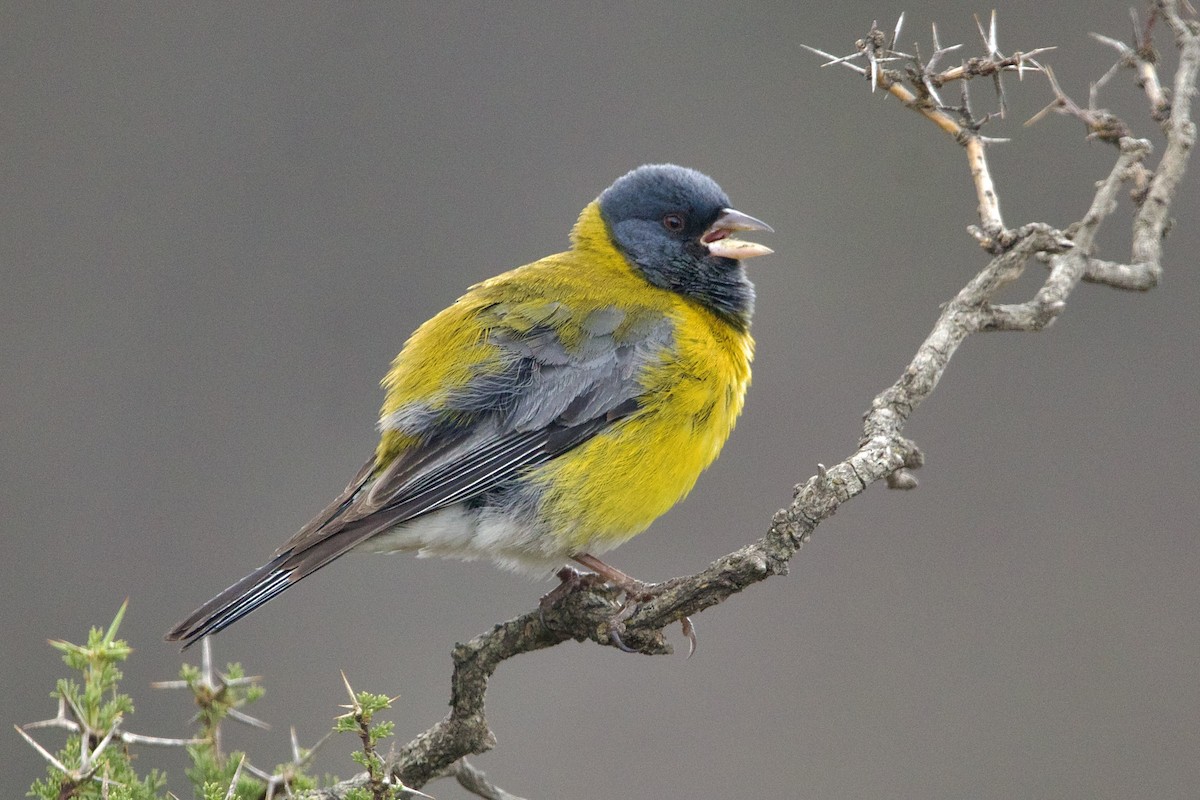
(636, 592)
(615, 638)
(689, 630)
(616, 622)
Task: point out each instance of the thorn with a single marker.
(411, 790)
(108, 737)
(237, 774)
(78, 714)
(206, 668)
(312, 751)
(1116, 44)
(59, 720)
(843, 60)
(1039, 116)
(245, 680)
(896, 33)
(42, 751)
(933, 92)
(245, 718)
(158, 741)
(111, 634)
(1025, 61)
(990, 40)
(940, 51)
(1094, 89)
(979, 27)
(354, 707)
(306, 755)
(261, 774)
(834, 59)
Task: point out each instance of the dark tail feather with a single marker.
(278, 574)
(235, 602)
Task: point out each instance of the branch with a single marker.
(1154, 192)
(883, 453)
(1150, 225)
(476, 782)
(1067, 269)
(959, 122)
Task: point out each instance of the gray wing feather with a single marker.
(549, 399)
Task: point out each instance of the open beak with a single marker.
(719, 242)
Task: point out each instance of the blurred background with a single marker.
(220, 222)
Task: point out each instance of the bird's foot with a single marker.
(617, 623)
(636, 592)
(572, 580)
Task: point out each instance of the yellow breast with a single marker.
(613, 486)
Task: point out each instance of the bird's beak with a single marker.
(720, 244)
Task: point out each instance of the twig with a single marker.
(476, 782)
(1151, 221)
(1067, 269)
(923, 98)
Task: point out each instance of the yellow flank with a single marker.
(614, 485)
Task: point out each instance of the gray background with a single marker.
(221, 222)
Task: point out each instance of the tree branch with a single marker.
(883, 453)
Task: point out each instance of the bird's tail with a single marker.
(235, 602)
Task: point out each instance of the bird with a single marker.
(556, 410)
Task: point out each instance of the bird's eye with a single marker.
(673, 222)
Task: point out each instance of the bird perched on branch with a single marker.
(553, 411)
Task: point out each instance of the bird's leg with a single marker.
(634, 588)
(635, 592)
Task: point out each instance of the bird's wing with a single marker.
(554, 378)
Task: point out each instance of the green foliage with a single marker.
(97, 702)
(114, 770)
(95, 762)
(214, 781)
(211, 773)
(218, 696)
(360, 720)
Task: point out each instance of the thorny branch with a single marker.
(883, 453)
(921, 95)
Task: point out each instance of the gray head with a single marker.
(674, 225)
